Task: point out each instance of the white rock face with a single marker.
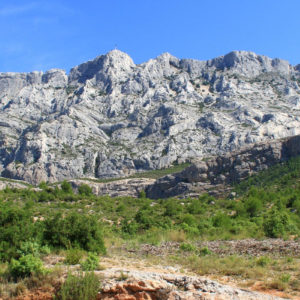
(111, 118)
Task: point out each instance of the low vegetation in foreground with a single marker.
(82, 227)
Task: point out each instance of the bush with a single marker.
(195, 207)
(205, 251)
(253, 206)
(221, 220)
(17, 226)
(73, 256)
(66, 187)
(91, 263)
(144, 218)
(34, 248)
(276, 223)
(129, 227)
(263, 261)
(85, 190)
(76, 231)
(142, 194)
(81, 287)
(29, 247)
(26, 266)
(172, 208)
(187, 247)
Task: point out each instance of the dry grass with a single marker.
(10, 290)
(281, 274)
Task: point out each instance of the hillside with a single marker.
(111, 118)
(250, 239)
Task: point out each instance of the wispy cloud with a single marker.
(8, 11)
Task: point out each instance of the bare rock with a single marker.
(110, 118)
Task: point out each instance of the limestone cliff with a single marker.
(110, 117)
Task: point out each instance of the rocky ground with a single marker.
(128, 274)
(277, 247)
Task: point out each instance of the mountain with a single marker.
(111, 118)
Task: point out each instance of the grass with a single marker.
(279, 273)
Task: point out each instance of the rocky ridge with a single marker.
(111, 118)
(216, 174)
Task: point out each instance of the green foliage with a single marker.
(276, 223)
(187, 247)
(85, 190)
(73, 256)
(144, 218)
(32, 247)
(81, 287)
(66, 187)
(221, 220)
(74, 230)
(172, 208)
(129, 227)
(189, 219)
(142, 194)
(253, 206)
(25, 266)
(17, 226)
(280, 175)
(195, 207)
(91, 263)
(205, 251)
(32, 221)
(263, 261)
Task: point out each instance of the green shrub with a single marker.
(263, 261)
(205, 251)
(172, 208)
(195, 207)
(91, 263)
(25, 266)
(73, 256)
(32, 247)
(76, 231)
(17, 226)
(66, 187)
(253, 206)
(142, 194)
(276, 223)
(85, 190)
(129, 227)
(189, 220)
(285, 278)
(81, 287)
(29, 247)
(221, 220)
(145, 218)
(187, 247)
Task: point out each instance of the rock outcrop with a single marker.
(13, 184)
(217, 173)
(149, 285)
(118, 188)
(110, 117)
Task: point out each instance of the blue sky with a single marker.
(39, 35)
